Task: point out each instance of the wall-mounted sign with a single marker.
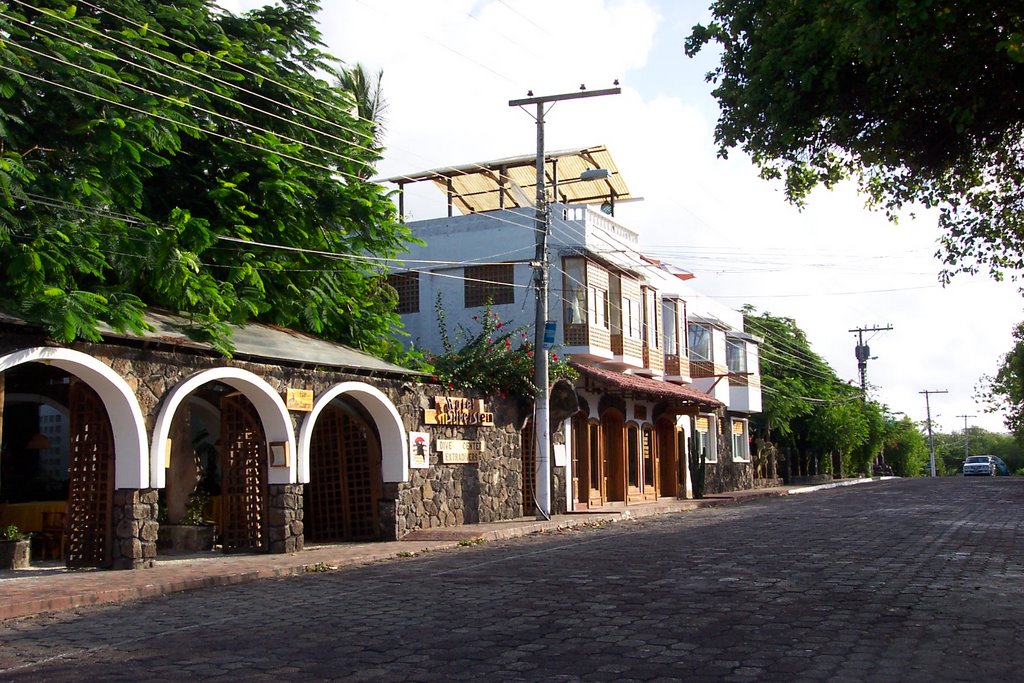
(449, 410)
(419, 450)
(460, 451)
(299, 399)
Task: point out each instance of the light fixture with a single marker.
(595, 174)
(607, 208)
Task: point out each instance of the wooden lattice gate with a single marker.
(343, 495)
(243, 475)
(91, 479)
(529, 457)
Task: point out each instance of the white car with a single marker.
(984, 465)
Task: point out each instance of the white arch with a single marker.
(393, 442)
(277, 423)
(120, 402)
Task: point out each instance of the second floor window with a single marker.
(407, 285)
(671, 325)
(492, 284)
(735, 355)
(700, 342)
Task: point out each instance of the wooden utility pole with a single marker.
(928, 407)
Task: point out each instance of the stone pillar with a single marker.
(135, 528)
(389, 512)
(284, 522)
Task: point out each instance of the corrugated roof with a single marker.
(638, 384)
(256, 340)
(512, 182)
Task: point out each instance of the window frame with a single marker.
(692, 349)
(741, 454)
(494, 284)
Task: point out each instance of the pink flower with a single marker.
(474, 317)
(499, 325)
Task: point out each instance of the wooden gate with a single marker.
(529, 450)
(343, 495)
(91, 479)
(243, 475)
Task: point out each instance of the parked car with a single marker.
(985, 465)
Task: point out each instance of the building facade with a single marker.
(668, 377)
(292, 441)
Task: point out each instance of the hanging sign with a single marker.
(549, 334)
(449, 410)
(460, 451)
(299, 399)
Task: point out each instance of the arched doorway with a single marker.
(73, 434)
(342, 501)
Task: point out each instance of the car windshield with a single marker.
(978, 458)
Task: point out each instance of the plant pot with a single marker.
(185, 538)
(14, 554)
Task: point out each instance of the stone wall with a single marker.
(727, 475)
(284, 518)
(135, 528)
(445, 495)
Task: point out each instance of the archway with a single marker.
(82, 423)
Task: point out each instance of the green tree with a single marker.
(1005, 391)
(177, 156)
(809, 412)
(906, 449)
(910, 98)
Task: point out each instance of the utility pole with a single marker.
(863, 353)
(541, 419)
(967, 451)
(928, 407)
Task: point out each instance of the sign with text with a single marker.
(449, 410)
(299, 399)
(460, 451)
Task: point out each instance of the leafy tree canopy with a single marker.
(175, 155)
(906, 450)
(916, 99)
(1005, 391)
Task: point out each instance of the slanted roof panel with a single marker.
(512, 182)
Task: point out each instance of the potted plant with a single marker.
(14, 548)
(192, 533)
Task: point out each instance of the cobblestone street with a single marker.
(911, 580)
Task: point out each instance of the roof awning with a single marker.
(512, 182)
(637, 386)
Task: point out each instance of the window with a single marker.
(407, 286)
(700, 341)
(651, 333)
(670, 323)
(492, 284)
(740, 442)
(631, 317)
(633, 455)
(736, 355)
(575, 291)
(597, 307)
(704, 437)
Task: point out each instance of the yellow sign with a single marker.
(299, 399)
(449, 410)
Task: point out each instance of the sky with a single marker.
(450, 68)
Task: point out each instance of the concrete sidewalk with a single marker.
(49, 587)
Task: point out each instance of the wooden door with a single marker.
(343, 496)
(668, 479)
(243, 475)
(613, 455)
(91, 479)
(598, 479)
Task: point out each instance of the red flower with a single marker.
(554, 357)
(529, 354)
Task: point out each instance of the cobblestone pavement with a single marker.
(912, 580)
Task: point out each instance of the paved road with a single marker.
(915, 580)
